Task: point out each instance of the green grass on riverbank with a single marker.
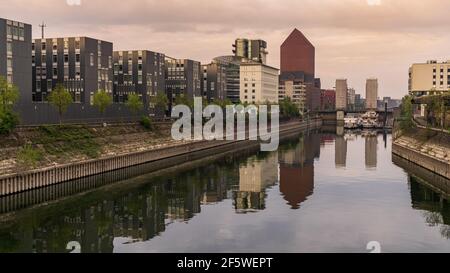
(68, 140)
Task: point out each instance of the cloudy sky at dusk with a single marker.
(354, 39)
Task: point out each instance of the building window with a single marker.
(49, 85)
(92, 59)
(9, 47)
(9, 64)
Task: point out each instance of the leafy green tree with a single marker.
(406, 113)
(61, 99)
(134, 103)
(8, 121)
(183, 100)
(222, 103)
(288, 109)
(160, 101)
(102, 100)
(9, 95)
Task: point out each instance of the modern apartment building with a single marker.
(214, 82)
(140, 71)
(183, 77)
(232, 66)
(295, 90)
(15, 56)
(259, 83)
(372, 94)
(83, 65)
(252, 50)
(429, 78)
(341, 94)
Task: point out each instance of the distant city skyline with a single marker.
(354, 39)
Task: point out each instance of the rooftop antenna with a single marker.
(43, 26)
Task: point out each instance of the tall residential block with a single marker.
(142, 72)
(15, 56)
(253, 50)
(83, 65)
(298, 57)
(232, 66)
(183, 78)
(429, 78)
(372, 94)
(214, 82)
(259, 83)
(341, 94)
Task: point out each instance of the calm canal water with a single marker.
(319, 193)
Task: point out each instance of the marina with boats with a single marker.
(368, 120)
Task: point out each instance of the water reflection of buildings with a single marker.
(139, 216)
(255, 176)
(139, 213)
(436, 206)
(371, 150)
(297, 170)
(340, 152)
(430, 193)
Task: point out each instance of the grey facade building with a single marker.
(139, 71)
(233, 76)
(214, 82)
(253, 50)
(15, 56)
(183, 77)
(83, 65)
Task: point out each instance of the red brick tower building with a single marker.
(298, 55)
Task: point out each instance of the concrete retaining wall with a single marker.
(430, 163)
(50, 176)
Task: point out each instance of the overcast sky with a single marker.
(354, 39)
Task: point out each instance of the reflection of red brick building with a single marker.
(296, 183)
(298, 54)
(328, 100)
